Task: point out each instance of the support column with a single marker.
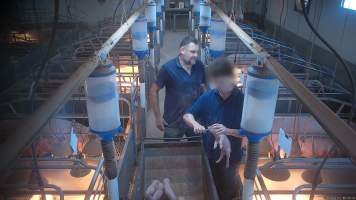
(142, 82)
(152, 57)
(161, 21)
(109, 152)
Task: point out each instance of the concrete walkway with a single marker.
(168, 51)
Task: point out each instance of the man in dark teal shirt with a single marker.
(184, 79)
(217, 116)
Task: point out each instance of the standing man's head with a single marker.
(188, 50)
(221, 75)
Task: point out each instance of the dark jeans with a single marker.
(227, 180)
(173, 132)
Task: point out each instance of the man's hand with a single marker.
(198, 128)
(191, 122)
(215, 129)
(160, 123)
(225, 149)
(218, 129)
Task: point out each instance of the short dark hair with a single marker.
(187, 40)
(220, 67)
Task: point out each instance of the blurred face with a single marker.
(224, 84)
(189, 53)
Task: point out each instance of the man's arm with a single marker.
(221, 129)
(160, 122)
(233, 132)
(195, 110)
(191, 122)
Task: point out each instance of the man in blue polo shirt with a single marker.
(184, 79)
(217, 115)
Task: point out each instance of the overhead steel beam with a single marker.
(30, 127)
(336, 128)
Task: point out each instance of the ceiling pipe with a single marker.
(334, 126)
(31, 126)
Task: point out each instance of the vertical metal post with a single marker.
(158, 31)
(190, 23)
(142, 82)
(94, 179)
(113, 189)
(196, 29)
(111, 174)
(158, 37)
(152, 57)
(162, 30)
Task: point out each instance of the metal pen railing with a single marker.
(94, 180)
(34, 189)
(51, 163)
(31, 126)
(337, 188)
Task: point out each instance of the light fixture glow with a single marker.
(349, 4)
(38, 197)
